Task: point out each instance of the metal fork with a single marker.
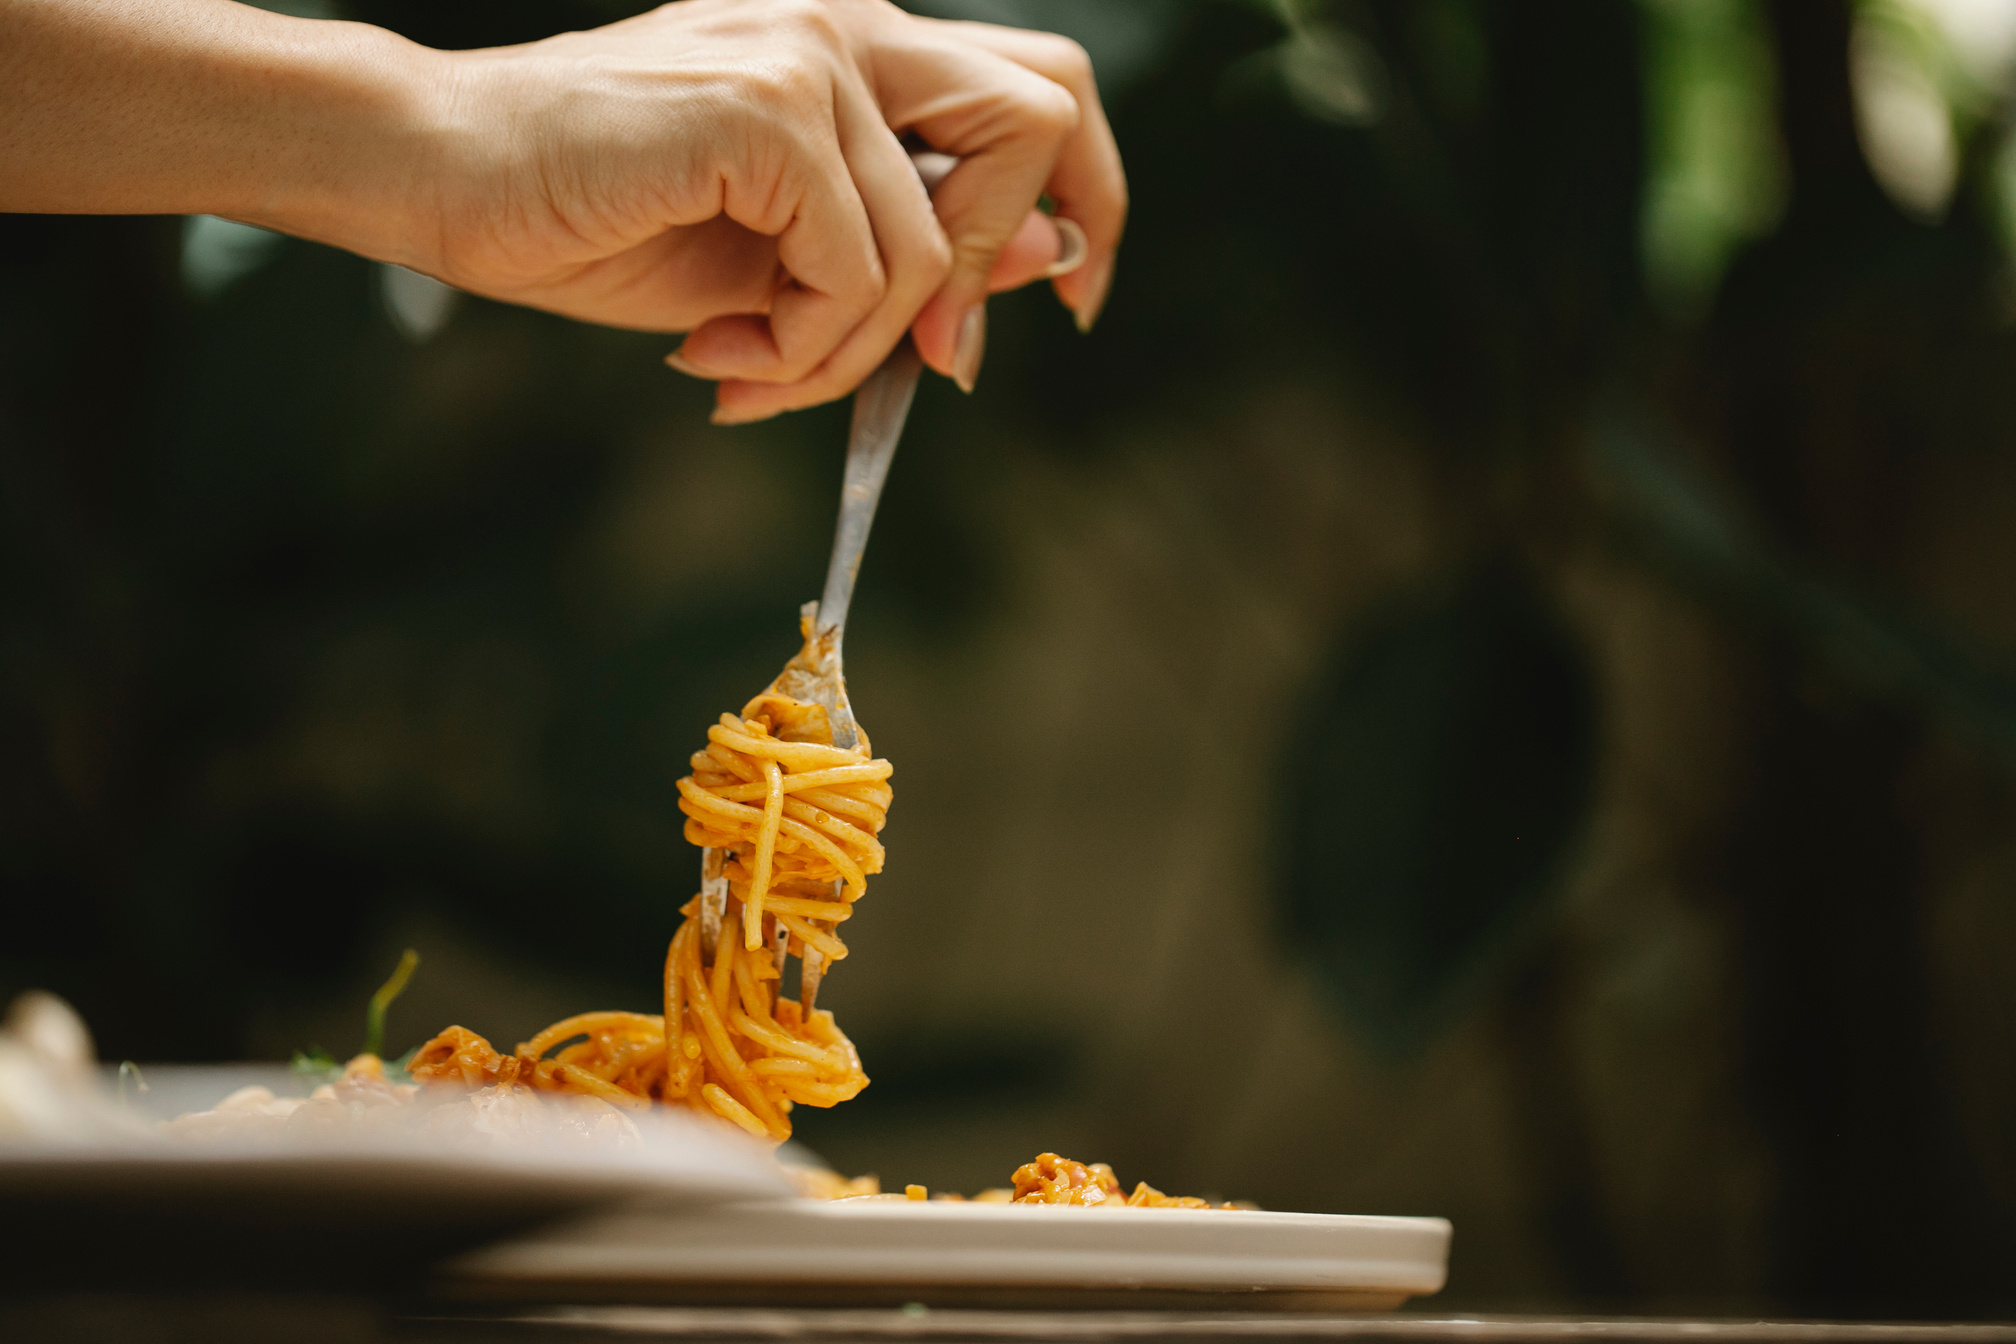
(881, 406)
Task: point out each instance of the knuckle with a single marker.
(1114, 196)
(784, 85)
(1067, 61)
(870, 286)
(935, 259)
(794, 13)
(978, 255)
(808, 18)
(1049, 109)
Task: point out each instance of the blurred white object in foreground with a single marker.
(64, 1121)
(48, 1087)
(364, 1180)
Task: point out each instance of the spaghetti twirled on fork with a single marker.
(796, 819)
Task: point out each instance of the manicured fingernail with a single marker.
(1072, 248)
(933, 167)
(728, 415)
(972, 347)
(677, 359)
(1096, 284)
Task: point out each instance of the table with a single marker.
(228, 1319)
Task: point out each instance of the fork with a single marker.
(881, 405)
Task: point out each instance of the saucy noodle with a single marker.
(795, 820)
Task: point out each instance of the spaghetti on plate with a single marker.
(795, 821)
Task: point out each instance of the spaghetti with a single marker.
(791, 822)
(1051, 1179)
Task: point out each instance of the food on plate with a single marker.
(790, 824)
(796, 820)
(364, 1103)
(822, 1183)
(52, 1090)
(1049, 1179)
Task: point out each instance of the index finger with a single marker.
(1088, 183)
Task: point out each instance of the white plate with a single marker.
(291, 1209)
(858, 1251)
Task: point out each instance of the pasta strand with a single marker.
(797, 822)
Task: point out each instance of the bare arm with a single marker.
(728, 168)
(212, 107)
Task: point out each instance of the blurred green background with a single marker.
(1487, 687)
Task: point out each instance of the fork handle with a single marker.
(880, 407)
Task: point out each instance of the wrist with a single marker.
(207, 107)
(360, 121)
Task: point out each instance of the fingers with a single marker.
(1088, 182)
(864, 253)
(679, 278)
(1042, 249)
(802, 355)
(1005, 125)
(826, 249)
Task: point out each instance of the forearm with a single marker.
(213, 107)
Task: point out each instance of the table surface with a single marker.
(226, 1319)
(914, 1326)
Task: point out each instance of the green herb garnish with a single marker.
(316, 1065)
(374, 1015)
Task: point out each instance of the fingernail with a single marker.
(724, 415)
(677, 359)
(933, 167)
(1072, 248)
(1096, 286)
(972, 347)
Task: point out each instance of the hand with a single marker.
(735, 168)
(730, 168)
